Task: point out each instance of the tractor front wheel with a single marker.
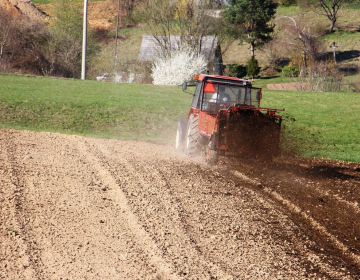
(181, 135)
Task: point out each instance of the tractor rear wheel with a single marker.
(181, 135)
(212, 155)
(194, 140)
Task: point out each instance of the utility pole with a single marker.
(83, 64)
(116, 34)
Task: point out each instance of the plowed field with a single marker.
(73, 207)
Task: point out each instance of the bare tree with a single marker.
(22, 44)
(6, 26)
(306, 41)
(65, 44)
(189, 20)
(330, 9)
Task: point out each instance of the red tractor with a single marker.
(225, 118)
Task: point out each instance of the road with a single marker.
(73, 207)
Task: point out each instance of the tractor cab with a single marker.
(214, 93)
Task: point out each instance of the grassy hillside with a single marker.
(123, 111)
(315, 124)
(346, 37)
(318, 124)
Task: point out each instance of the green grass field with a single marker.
(315, 124)
(318, 124)
(112, 110)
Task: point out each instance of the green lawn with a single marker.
(316, 124)
(123, 111)
(319, 124)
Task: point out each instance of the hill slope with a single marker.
(23, 8)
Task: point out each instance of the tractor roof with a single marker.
(217, 78)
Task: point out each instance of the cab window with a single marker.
(196, 100)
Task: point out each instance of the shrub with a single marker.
(253, 68)
(179, 66)
(289, 71)
(236, 70)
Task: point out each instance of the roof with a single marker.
(218, 78)
(150, 48)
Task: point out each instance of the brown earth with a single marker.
(101, 14)
(73, 207)
(26, 8)
(286, 86)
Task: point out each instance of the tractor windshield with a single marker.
(216, 95)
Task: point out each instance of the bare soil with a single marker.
(101, 14)
(73, 207)
(286, 86)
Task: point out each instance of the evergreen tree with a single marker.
(253, 68)
(250, 19)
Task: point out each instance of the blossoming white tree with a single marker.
(179, 66)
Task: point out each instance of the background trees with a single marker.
(65, 43)
(6, 26)
(251, 21)
(181, 28)
(190, 20)
(36, 47)
(301, 38)
(181, 66)
(21, 44)
(330, 9)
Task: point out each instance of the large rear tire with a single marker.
(181, 135)
(194, 140)
(212, 155)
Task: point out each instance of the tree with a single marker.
(188, 19)
(180, 67)
(305, 40)
(22, 44)
(251, 20)
(330, 10)
(6, 27)
(253, 68)
(66, 38)
(65, 46)
(128, 7)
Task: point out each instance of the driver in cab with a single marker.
(220, 97)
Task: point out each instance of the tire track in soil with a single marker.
(335, 274)
(97, 161)
(25, 253)
(177, 225)
(316, 200)
(72, 230)
(161, 217)
(188, 249)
